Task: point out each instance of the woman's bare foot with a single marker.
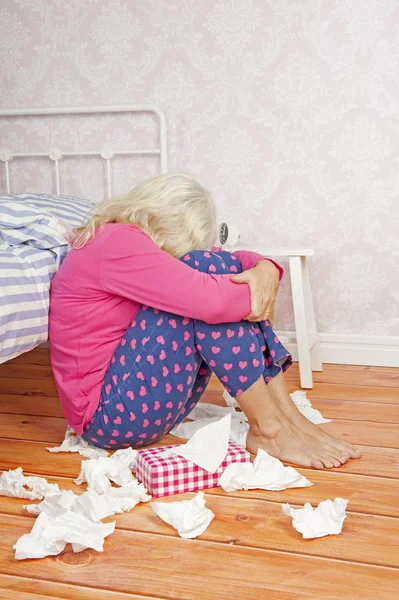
(281, 439)
(341, 449)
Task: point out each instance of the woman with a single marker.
(135, 333)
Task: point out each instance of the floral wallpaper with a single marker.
(288, 110)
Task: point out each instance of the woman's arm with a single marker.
(249, 260)
(133, 266)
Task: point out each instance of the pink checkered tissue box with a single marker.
(175, 474)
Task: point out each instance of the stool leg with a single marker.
(301, 328)
(315, 352)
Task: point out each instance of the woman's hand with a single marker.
(263, 281)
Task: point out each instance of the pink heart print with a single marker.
(132, 416)
(146, 423)
(207, 255)
(115, 379)
(189, 379)
(187, 257)
(123, 342)
(252, 347)
(143, 436)
(215, 350)
(162, 355)
(186, 336)
(120, 407)
(115, 432)
(117, 420)
(138, 358)
(228, 366)
(200, 335)
(175, 345)
(159, 322)
(212, 268)
(125, 376)
(133, 344)
(240, 332)
(151, 359)
(243, 378)
(154, 381)
(144, 408)
(169, 404)
(189, 367)
(212, 363)
(179, 405)
(233, 269)
(108, 389)
(165, 371)
(112, 442)
(224, 379)
(130, 395)
(144, 341)
(143, 324)
(180, 387)
(188, 350)
(169, 416)
(215, 335)
(160, 339)
(143, 391)
(122, 360)
(157, 406)
(255, 362)
(158, 422)
(172, 323)
(105, 419)
(113, 359)
(230, 333)
(236, 349)
(140, 375)
(168, 388)
(203, 371)
(100, 432)
(186, 321)
(242, 364)
(129, 434)
(176, 368)
(273, 353)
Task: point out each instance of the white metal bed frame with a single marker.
(107, 152)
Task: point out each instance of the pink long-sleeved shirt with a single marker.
(100, 288)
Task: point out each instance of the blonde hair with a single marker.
(173, 209)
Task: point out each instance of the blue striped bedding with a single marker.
(33, 242)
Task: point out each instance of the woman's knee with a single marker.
(207, 261)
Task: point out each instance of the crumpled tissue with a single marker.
(207, 448)
(92, 505)
(230, 401)
(266, 473)
(13, 483)
(75, 443)
(99, 472)
(327, 519)
(50, 535)
(305, 407)
(189, 517)
(205, 413)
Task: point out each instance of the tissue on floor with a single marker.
(230, 401)
(99, 472)
(266, 473)
(74, 443)
(305, 407)
(190, 517)
(50, 535)
(92, 505)
(326, 519)
(14, 483)
(165, 473)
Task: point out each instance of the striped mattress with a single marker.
(34, 231)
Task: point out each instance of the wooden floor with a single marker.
(250, 551)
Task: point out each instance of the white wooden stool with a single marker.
(308, 346)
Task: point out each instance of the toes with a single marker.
(344, 458)
(328, 463)
(316, 463)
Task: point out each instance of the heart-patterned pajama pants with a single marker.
(164, 362)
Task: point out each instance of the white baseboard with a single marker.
(348, 349)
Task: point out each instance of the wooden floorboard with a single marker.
(257, 551)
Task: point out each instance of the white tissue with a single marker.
(208, 446)
(189, 517)
(128, 456)
(230, 401)
(13, 483)
(50, 535)
(327, 519)
(265, 473)
(74, 443)
(54, 504)
(99, 472)
(305, 407)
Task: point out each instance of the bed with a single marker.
(35, 227)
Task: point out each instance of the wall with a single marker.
(288, 111)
